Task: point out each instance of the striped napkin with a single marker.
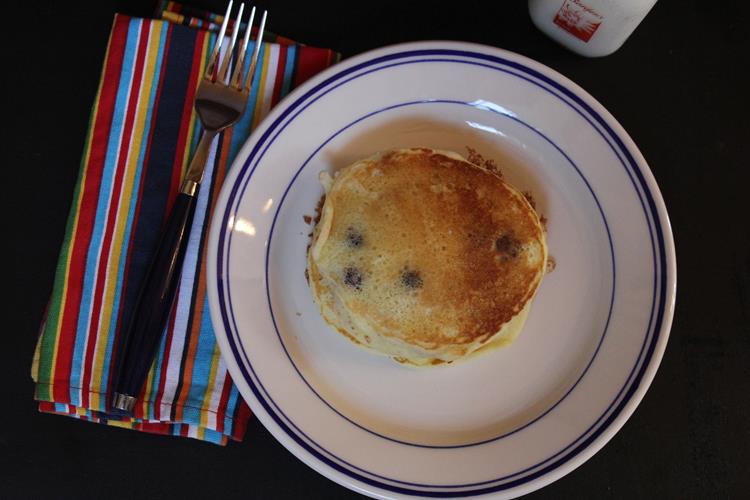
(142, 131)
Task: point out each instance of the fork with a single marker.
(220, 101)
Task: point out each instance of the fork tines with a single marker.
(240, 79)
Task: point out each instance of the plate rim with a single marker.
(609, 427)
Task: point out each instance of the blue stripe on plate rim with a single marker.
(653, 220)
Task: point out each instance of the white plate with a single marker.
(504, 423)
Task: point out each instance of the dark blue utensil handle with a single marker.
(137, 348)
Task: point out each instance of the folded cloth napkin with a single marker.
(142, 132)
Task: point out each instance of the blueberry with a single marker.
(411, 279)
(354, 238)
(353, 278)
(508, 246)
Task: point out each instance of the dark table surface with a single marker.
(679, 86)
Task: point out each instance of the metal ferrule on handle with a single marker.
(194, 174)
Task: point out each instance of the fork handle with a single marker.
(137, 349)
(194, 174)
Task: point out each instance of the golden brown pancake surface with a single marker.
(425, 257)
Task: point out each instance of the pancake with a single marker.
(425, 257)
